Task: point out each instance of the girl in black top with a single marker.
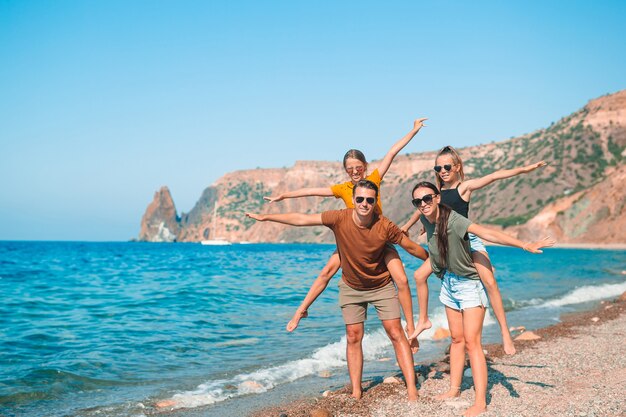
(455, 193)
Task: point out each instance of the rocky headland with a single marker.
(578, 198)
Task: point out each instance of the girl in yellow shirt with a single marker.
(355, 165)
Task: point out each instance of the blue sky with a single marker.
(103, 102)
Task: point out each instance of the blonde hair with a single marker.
(456, 159)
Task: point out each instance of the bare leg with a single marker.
(354, 356)
(421, 276)
(472, 329)
(318, 286)
(403, 355)
(457, 353)
(396, 269)
(485, 271)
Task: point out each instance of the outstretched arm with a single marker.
(303, 192)
(504, 239)
(397, 147)
(413, 248)
(292, 219)
(478, 183)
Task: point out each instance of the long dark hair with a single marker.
(442, 222)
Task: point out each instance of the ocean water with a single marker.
(111, 329)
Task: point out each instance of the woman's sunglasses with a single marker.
(427, 199)
(446, 167)
(370, 200)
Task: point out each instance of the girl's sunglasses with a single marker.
(370, 200)
(356, 169)
(446, 167)
(427, 199)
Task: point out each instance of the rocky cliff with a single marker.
(579, 197)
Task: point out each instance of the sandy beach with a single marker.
(574, 368)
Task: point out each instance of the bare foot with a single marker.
(475, 410)
(415, 345)
(421, 326)
(413, 395)
(356, 395)
(453, 393)
(293, 323)
(507, 344)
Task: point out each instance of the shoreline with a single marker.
(573, 367)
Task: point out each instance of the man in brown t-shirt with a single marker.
(362, 237)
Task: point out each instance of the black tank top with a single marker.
(452, 199)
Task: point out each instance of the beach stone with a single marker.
(623, 296)
(250, 386)
(467, 373)
(517, 329)
(608, 307)
(165, 403)
(326, 393)
(441, 333)
(384, 359)
(321, 412)
(324, 374)
(595, 319)
(391, 380)
(528, 336)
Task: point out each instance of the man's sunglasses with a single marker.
(370, 200)
(446, 167)
(427, 199)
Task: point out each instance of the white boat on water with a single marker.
(216, 241)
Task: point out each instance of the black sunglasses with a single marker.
(427, 199)
(447, 167)
(370, 200)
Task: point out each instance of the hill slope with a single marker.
(579, 197)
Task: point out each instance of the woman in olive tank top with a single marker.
(456, 193)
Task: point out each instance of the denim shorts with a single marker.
(476, 245)
(460, 293)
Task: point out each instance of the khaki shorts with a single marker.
(354, 303)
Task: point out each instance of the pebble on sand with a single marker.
(391, 380)
(165, 403)
(528, 336)
(441, 333)
(321, 412)
(595, 319)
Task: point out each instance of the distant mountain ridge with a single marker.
(578, 198)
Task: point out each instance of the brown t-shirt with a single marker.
(362, 249)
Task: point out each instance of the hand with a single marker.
(533, 167)
(413, 343)
(417, 124)
(257, 217)
(534, 247)
(273, 199)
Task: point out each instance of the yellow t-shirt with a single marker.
(345, 190)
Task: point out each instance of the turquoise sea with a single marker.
(110, 329)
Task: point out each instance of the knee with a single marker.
(473, 344)
(396, 334)
(354, 337)
(458, 342)
(420, 277)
